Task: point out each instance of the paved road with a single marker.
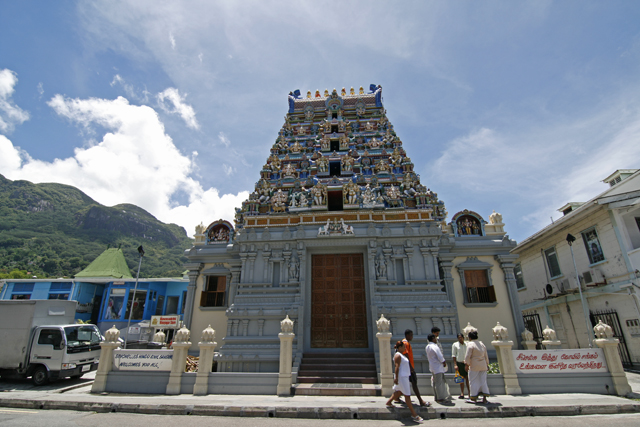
(36, 418)
(25, 384)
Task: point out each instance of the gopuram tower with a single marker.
(338, 231)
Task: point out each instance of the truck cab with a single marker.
(62, 351)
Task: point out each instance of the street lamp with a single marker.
(133, 299)
(585, 307)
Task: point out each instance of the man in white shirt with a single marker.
(458, 353)
(437, 366)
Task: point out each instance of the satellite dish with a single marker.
(549, 289)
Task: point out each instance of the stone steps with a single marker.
(337, 374)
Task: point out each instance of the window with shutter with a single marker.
(214, 293)
(478, 289)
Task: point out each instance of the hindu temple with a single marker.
(339, 230)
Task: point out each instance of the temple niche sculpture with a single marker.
(468, 223)
(338, 230)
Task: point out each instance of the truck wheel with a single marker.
(40, 376)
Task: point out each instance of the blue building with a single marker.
(101, 290)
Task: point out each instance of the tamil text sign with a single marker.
(566, 361)
(142, 360)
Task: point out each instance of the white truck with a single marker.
(38, 339)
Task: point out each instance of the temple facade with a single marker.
(339, 231)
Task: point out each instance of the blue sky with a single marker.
(517, 107)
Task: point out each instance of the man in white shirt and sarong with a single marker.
(438, 367)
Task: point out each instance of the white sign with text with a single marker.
(566, 361)
(142, 360)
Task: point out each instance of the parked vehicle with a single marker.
(39, 340)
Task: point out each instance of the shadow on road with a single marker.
(25, 384)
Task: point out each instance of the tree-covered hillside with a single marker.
(55, 230)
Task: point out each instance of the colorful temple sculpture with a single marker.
(338, 231)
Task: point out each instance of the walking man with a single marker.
(437, 366)
(408, 351)
(458, 353)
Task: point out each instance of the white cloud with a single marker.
(224, 139)
(40, 89)
(176, 105)
(228, 169)
(172, 40)
(10, 114)
(10, 158)
(135, 162)
(200, 56)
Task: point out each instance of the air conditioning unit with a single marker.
(565, 285)
(593, 277)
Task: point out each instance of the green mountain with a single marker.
(55, 230)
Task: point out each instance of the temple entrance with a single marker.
(338, 302)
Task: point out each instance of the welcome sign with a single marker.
(565, 361)
(142, 360)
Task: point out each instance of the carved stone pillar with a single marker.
(418, 321)
(384, 346)
(107, 346)
(260, 327)
(245, 327)
(505, 359)
(266, 255)
(408, 261)
(233, 284)
(245, 267)
(178, 363)
(207, 348)
(394, 325)
(507, 263)
(285, 270)
(609, 345)
(251, 265)
(234, 328)
(430, 262)
(193, 273)
(286, 356)
(229, 326)
(447, 264)
(446, 322)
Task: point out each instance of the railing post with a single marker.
(286, 348)
(384, 347)
(505, 359)
(105, 366)
(527, 340)
(207, 348)
(550, 341)
(181, 345)
(609, 345)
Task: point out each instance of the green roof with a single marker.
(110, 263)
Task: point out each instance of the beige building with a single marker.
(607, 259)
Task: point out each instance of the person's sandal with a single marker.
(417, 419)
(461, 396)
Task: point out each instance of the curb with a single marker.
(322, 412)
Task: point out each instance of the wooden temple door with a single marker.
(338, 302)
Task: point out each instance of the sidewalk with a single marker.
(79, 398)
